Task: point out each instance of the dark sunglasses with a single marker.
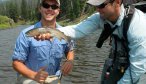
(46, 5)
(101, 6)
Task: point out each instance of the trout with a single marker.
(53, 32)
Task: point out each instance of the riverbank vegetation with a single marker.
(4, 22)
(26, 12)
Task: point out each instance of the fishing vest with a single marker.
(120, 58)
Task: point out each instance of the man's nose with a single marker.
(50, 8)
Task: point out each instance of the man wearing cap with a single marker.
(112, 12)
(36, 61)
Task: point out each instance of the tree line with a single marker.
(27, 10)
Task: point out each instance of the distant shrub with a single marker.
(4, 19)
(4, 26)
(6, 22)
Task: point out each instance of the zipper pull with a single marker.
(122, 69)
(107, 75)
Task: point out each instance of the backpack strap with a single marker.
(106, 32)
(127, 20)
(126, 23)
(129, 11)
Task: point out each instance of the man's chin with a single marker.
(102, 16)
(49, 19)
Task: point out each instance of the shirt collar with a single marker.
(38, 24)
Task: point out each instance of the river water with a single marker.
(87, 65)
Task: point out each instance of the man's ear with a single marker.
(117, 3)
(59, 10)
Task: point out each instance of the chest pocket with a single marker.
(39, 50)
(58, 48)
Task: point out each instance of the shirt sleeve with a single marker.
(83, 28)
(137, 45)
(137, 62)
(21, 48)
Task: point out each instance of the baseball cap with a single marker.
(95, 2)
(58, 1)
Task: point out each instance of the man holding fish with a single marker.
(39, 61)
(126, 63)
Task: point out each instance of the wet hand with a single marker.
(41, 75)
(42, 37)
(67, 67)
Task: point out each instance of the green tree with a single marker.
(76, 8)
(71, 11)
(27, 9)
(24, 10)
(12, 11)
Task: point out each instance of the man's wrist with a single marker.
(71, 61)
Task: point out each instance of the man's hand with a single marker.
(67, 67)
(42, 37)
(41, 75)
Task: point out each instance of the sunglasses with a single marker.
(101, 6)
(46, 5)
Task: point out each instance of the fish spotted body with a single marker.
(53, 32)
